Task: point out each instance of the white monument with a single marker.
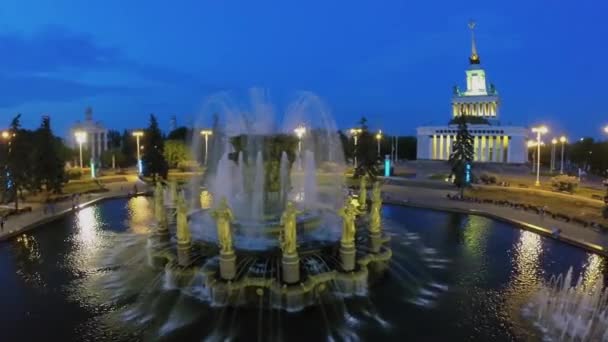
(96, 141)
(492, 141)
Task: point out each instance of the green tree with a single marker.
(128, 149)
(462, 155)
(175, 152)
(49, 163)
(114, 139)
(154, 163)
(366, 152)
(18, 165)
(181, 133)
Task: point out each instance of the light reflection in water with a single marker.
(594, 269)
(140, 214)
(527, 258)
(87, 224)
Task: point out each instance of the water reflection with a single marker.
(526, 259)
(594, 270)
(140, 214)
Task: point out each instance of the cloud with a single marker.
(55, 64)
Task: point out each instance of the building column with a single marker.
(441, 147)
(498, 144)
(475, 148)
(508, 149)
(448, 147)
(434, 146)
(429, 154)
(488, 148)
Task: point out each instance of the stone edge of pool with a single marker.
(14, 233)
(591, 247)
(524, 225)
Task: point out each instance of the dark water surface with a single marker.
(467, 282)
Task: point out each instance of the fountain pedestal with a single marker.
(375, 240)
(291, 268)
(227, 265)
(347, 257)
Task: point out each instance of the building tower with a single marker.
(493, 143)
(478, 99)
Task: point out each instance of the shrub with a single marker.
(487, 178)
(564, 183)
(74, 173)
(188, 165)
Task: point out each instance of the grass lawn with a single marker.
(573, 206)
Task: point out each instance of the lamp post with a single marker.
(355, 133)
(540, 130)
(553, 143)
(562, 140)
(300, 131)
(378, 138)
(206, 133)
(81, 138)
(137, 135)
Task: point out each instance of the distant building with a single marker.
(96, 135)
(492, 141)
(173, 123)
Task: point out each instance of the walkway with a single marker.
(16, 225)
(586, 237)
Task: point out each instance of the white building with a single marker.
(96, 135)
(492, 141)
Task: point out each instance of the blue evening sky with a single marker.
(393, 61)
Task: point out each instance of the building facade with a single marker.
(96, 141)
(481, 102)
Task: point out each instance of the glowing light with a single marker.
(300, 131)
(6, 135)
(562, 139)
(206, 199)
(140, 214)
(138, 134)
(355, 131)
(554, 141)
(206, 132)
(387, 166)
(81, 137)
(540, 129)
(379, 135)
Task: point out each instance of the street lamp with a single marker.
(355, 133)
(137, 135)
(553, 143)
(378, 138)
(6, 135)
(540, 130)
(206, 133)
(300, 131)
(562, 140)
(81, 138)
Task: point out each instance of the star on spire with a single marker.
(474, 59)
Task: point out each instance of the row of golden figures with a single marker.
(224, 217)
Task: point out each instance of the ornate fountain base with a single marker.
(347, 257)
(375, 239)
(291, 268)
(227, 265)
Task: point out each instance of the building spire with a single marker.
(474, 59)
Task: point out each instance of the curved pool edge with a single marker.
(590, 247)
(62, 213)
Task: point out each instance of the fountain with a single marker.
(565, 312)
(577, 313)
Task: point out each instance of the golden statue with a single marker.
(183, 233)
(223, 217)
(173, 189)
(363, 192)
(206, 199)
(375, 214)
(288, 236)
(348, 213)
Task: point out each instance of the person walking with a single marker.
(2, 223)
